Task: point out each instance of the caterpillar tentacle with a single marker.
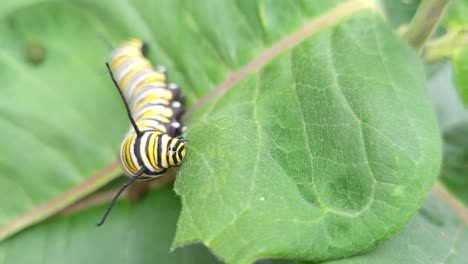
(154, 142)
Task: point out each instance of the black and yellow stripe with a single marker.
(156, 108)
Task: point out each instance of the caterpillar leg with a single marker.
(161, 69)
(144, 47)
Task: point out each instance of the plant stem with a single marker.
(425, 21)
(446, 46)
(457, 206)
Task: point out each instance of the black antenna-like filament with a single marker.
(128, 183)
(135, 127)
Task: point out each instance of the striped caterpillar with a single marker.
(154, 108)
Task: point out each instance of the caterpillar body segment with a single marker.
(154, 143)
(156, 108)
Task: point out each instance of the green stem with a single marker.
(424, 22)
(446, 46)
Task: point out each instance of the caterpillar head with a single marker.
(176, 151)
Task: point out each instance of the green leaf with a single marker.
(455, 44)
(61, 119)
(434, 235)
(320, 128)
(454, 172)
(63, 113)
(399, 12)
(344, 157)
(136, 233)
(460, 65)
(452, 117)
(456, 15)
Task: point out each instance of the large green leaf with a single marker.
(344, 157)
(65, 111)
(320, 130)
(434, 234)
(132, 236)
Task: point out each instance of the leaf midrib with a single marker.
(325, 20)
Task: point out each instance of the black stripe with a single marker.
(136, 149)
(174, 155)
(168, 151)
(179, 153)
(147, 152)
(159, 150)
(156, 172)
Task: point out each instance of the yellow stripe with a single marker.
(182, 153)
(166, 112)
(164, 153)
(144, 156)
(117, 62)
(151, 98)
(142, 66)
(132, 166)
(154, 115)
(129, 52)
(151, 150)
(151, 78)
(124, 154)
(137, 43)
(148, 126)
(171, 160)
(148, 81)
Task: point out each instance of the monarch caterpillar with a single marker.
(154, 108)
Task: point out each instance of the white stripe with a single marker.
(136, 80)
(132, 153)
(126, 67)
(154, 101)
(144, 93)
(152, 125)
(164, 141)
(153, 88)
(143, 142)
(116, 53)
(162, 110)
(156, 116)
(121, 158)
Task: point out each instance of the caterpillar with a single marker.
(154, 108)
